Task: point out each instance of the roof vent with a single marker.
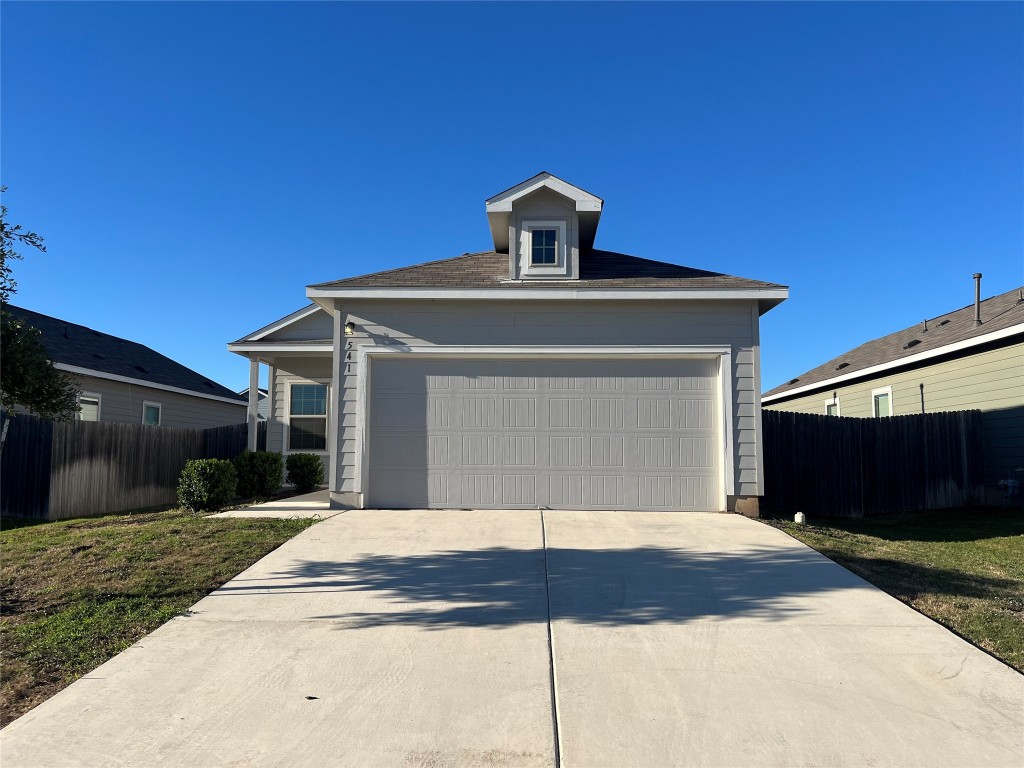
(792, 381)
(842, 365)
(911, 343)
(944, 322)
(97, 355)
(141, 369)
(208, 383)
(66, 331)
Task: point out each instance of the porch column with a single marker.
(254, 400)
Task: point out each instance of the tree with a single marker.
(27, 375)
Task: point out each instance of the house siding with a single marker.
(122, 402)
(578, 324)
(992, 381)
(288, 370)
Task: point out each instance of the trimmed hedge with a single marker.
(305, 471)
(207, 485)
(259, 473)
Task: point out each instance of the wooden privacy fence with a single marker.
(59, 470)
(845, 467)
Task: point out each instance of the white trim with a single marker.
(284, 322)
(159, 412)
(364, 371)
(948, 348)
(887, 391)
(286, 447)
(526, 265)
(502, 202)
(144, 383)
(555, 294)
(834, 401)
(99, 404)
(271, 347)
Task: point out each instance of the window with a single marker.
(89, 403)
(307, 417)
(832, 407)
(544, 247)
(881, 402)
(151, 414)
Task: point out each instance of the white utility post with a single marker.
(254, 400)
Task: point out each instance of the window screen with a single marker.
(307, 422)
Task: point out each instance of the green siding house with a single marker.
(972, 358)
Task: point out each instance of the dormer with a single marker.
(544, 224)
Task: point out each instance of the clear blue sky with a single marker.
(194, 165)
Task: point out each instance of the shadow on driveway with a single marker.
(498, 586)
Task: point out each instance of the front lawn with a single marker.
(76, 593)
(964, 568)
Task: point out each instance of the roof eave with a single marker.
(945, 349)
(766, 297)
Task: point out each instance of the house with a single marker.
(542, 373)
(262, 404)
(126, 382)
(971, 358)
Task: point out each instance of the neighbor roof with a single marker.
(82, 347)
(598, 269)
(998, 313)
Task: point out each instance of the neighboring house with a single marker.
(543, 373)
(948, 363)
(261, 406)
(129, 383)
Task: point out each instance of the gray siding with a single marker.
(316, 326)
(580, 324)
(122, 402)
(991, 381)
(286, 371)
(548, 206)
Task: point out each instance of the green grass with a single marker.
(964, 568)
(76, 593)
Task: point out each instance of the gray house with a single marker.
(542, 373)
(126, 382)
(971, 358)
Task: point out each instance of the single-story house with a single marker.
(543, 373)
(971, 358)
(126, 382)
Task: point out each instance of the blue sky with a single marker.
(193, 166)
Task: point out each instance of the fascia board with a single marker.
(143, 383)
(912, 359)
(284, 322)
(553, 294)
(242, 347)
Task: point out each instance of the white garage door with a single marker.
(559, 434)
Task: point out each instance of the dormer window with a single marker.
(544, 247)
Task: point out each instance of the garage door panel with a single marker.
(493, 433)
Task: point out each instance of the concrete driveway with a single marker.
(424, 639)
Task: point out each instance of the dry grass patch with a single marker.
(78, 592)
(964, 568)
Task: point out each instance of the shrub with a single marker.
(259, 473)
(305, 471)
(206, 484)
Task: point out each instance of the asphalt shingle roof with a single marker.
(598, 269)
(997, 313)
(77, 345)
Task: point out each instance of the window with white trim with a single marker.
(832, 407)
(151, 413)
(89, 406)
(543, 249)
(881, 402)
(307, 417)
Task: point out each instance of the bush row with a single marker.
(211, 484)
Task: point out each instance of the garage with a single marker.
(552, 433)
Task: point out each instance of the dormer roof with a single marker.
(499, 208)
